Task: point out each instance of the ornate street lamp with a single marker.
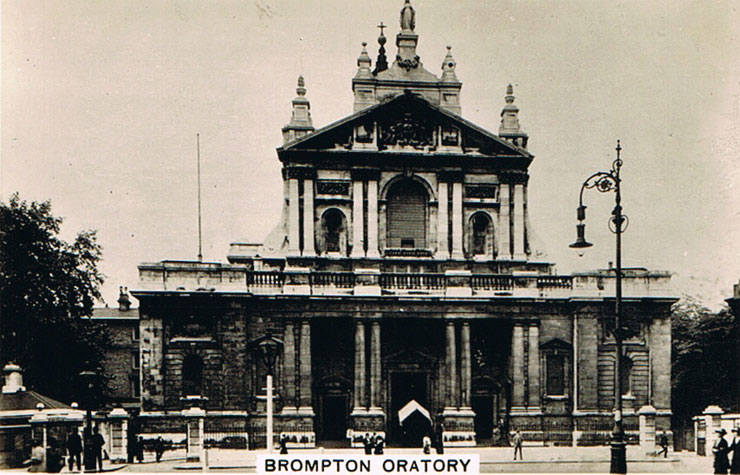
(606, 182)
(88, 378)
(268, 349)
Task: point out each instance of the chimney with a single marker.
(13, 379)
(124, 302)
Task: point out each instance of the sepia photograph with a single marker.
(398, 236)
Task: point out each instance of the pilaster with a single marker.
(465, 364)
(357, 220)
(375, 366)
(289, 372)
(451, 362)
(359, 389)
(308, 219)
(372, 218)
(457, 221)
(504, 224)
(517, 366)
(443, 221)
(305, 369)
(293, 218)
(518, 225)
(533, 368)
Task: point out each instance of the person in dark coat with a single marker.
(159, 448)
(369, 443)
(283, 444)
(98, 443)
(440, 439)
(735, 448)
(720, 449)
(379, 444)
(54, 460)
(74, 449)
(140, 450)
(663, 443)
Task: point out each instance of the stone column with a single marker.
(357, 220)
(517, 366)
(465, 369)
(293, 218)
(533, 374)
(359, 366)
(503, 223)
(308, 232)
(443, 251)
(451, 360)
(305, 372)
(712, 421)
(457, 220)
(194, 419)
(372, 219)
(289, 368)
(375, 366)
(519, 253)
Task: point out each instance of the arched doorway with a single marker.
(407, 215)
(333, 408)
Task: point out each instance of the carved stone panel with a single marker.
(408, 130)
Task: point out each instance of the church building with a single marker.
(406, 286)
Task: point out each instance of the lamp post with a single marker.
(268, 348)
(88, 382)
(607, 182)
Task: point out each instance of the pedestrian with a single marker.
(140, 450)
(98, 443)
(379, 444)
(74, 449)
(719, 449)
(283, 444)
(735, 448)
(38, 457)
(517, 440)
(440, 439)
(54, 458)
(159, 448)
(367, 443)
(663, 443)
(131, 447)
(426, 443)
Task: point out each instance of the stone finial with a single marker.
(363, 63)
(300, 120)
(510, 128)
(408, 17)
(381, 64)
(448, 67)
(13, 379)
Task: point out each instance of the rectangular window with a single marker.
(135, 386)
(555, 375)
(135, 360)
(136, 333)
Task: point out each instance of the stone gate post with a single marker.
(712, 421)
(118, 435)
(647, 428)
(195, 422)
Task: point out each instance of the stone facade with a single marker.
(404, 268)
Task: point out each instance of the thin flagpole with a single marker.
(200, 232)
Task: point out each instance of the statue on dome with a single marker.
(408, 17)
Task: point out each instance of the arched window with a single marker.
(407, 215)
(192, 375)
(333, 230)
(481, 237)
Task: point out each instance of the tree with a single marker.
(47, 287)
(705, 355)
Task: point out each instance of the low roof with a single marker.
(27, 400)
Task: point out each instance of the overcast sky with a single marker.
(101, 102)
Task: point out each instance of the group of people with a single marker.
(51, 458)
(721, 450)
(373, 444)
(136, 447)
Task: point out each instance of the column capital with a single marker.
(513, 177)
(365, 174)
(451, 176)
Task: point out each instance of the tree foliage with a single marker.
(705, 359)
(47, 287)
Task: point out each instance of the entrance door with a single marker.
(334, 416)
(404, 388)
(484, 415)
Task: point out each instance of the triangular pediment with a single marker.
(408, 124)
